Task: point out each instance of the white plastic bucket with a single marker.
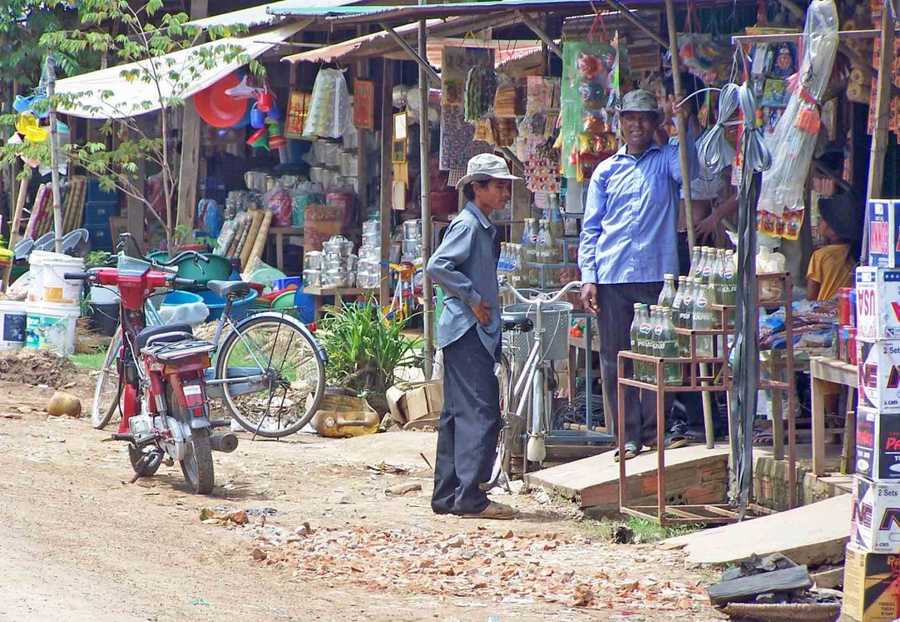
(49, 284)
(52, 327)
(12, 324)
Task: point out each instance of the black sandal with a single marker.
(631, 450)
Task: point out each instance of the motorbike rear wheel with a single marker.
(197, 464)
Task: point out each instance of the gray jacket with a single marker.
(465, 266)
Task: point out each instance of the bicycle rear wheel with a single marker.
(286, 355)
(108, 389)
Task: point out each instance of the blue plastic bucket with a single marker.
(286, 282)
(216, 304)
(306, 306)
(181, 298)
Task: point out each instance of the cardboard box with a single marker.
(884, 220)
(877, 304)
(871, 586)
(411, 401)
(877, 445)
(875, 524)
(879, 374)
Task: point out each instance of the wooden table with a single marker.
(278, 234)
(339, 293)
(824, 372)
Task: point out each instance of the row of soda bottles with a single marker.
(539, 245)
(712, 280)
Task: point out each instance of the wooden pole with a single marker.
(16, 219)
(54, 156)
(425, 186)
(686, 186)
(637, 23)
(882, 109)
(189, 165)
(387, 176)
(538, 30)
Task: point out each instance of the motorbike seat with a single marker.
(229, 289)
(167, 333)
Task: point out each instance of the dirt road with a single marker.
(314, 534)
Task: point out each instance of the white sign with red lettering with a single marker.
(879, 374)
(884, 240)
(877, 304)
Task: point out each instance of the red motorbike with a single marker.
(165, 410)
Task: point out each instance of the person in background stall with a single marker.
(468, 333)
(831, 266)
(628, 243)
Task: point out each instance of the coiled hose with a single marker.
(714, 151)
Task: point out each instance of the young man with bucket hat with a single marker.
(628, 243)
(468, 333)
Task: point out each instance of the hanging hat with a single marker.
(639, 100)
(843, 213)
(486, 166)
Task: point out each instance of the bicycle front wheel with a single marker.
(108, 389)
(274, 376)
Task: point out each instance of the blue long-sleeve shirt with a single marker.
(465, 265)
(628, 233)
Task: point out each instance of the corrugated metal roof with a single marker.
(368, 14)
(261, 15)
(381, 43)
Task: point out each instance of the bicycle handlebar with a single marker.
(542, 298)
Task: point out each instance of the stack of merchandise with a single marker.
(412, 242)
(339, 263)
(368, 271)
(871, 570)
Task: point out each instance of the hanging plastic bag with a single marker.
(781, 205)
(278, 201)
(329, 108)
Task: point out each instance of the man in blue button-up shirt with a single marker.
(628, 242)
(465, 265)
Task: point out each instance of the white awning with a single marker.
(112, 93)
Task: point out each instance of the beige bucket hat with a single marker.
(486, 166)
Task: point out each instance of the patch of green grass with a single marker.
(89, 361)
(637, 530)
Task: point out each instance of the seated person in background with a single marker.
(831, 266)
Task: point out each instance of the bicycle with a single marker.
(525, 389)
(266, 399)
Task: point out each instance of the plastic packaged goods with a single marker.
(781, 205)
(329, 108)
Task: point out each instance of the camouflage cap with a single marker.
(639, 100)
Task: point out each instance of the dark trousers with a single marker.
(468, 429)
(614, 322)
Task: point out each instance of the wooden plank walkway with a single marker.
(694, 475)
(811, 534)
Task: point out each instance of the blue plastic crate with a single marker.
(100, 237)
(95, 193)
(99, 212)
